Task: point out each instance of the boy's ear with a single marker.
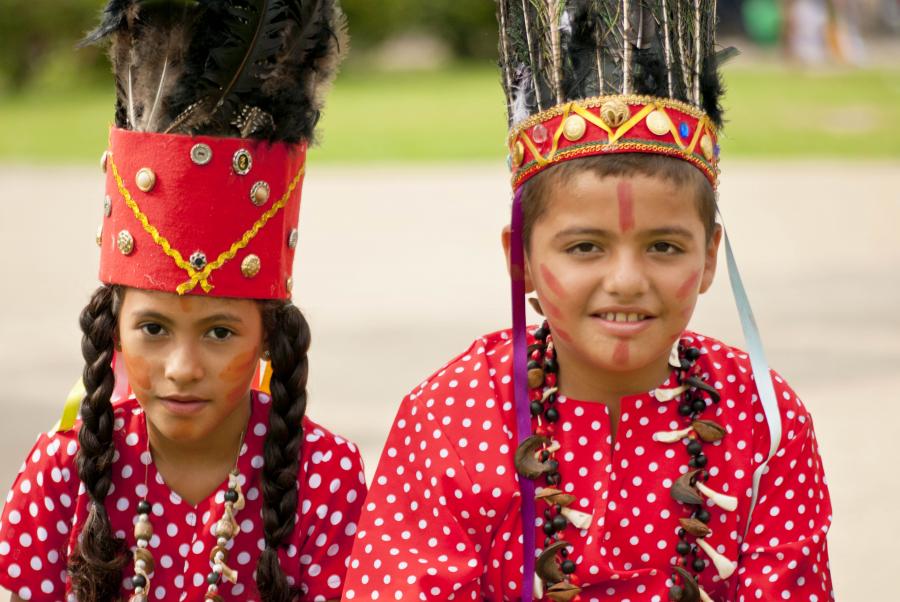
(712, 255)
(506, 240)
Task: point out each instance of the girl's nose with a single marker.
(183, 365)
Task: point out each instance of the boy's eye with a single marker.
(220, 333)
(152, 329)
(664, 248)
(583, 248)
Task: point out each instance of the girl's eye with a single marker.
(154, 330)
(584, 248)
(220, 333)
(665, 248)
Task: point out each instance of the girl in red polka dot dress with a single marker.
(201, 485)
(610, 453)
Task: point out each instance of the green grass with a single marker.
(459, 114)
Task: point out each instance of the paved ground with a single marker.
(399, 268)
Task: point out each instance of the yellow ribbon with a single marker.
(70, 409)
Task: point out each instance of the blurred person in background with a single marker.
(819, 31)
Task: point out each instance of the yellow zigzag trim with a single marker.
(614, 136)
(201, 277)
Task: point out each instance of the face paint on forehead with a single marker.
(552, 283)
(186, 303)
(626, 205)
(688, 285)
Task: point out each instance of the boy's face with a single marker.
(617, 264)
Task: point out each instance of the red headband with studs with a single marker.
(200, 215)
(610, 125)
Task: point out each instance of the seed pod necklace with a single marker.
(536, 459)
(225, 530)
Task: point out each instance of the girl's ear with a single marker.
(506, 240)
(712, 255)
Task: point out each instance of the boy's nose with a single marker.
(625, 278)
(183, 365)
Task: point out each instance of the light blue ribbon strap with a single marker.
(761, 373)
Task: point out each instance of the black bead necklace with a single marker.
(535, 459)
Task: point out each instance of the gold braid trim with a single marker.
(554, 154)
(201, 277)
(533, 167)
(598, 101)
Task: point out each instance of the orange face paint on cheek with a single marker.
(239, 372)
(138, 370)
(626, 205)
(552, 283)
(621, 353)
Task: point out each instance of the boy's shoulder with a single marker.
(481, 369)
(729, 370)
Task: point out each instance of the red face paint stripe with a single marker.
(685, 289)
(626, 206)
(562, 334)
(551, 309)
(552, 283)
(621, 353)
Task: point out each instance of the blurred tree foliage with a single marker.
(40, 35)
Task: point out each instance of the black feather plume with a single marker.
(660, 48)
(249, 68)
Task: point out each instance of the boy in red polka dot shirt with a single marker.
(609, 453)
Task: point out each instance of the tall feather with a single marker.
(254, 68)
(533, 52)
(506, 64)
(667, 44)
(553, 51)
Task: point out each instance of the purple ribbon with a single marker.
(520, 388)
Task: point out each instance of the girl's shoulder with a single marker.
(55, 451)
(322, 450)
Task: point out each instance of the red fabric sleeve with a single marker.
(785, 555)
(36, 520)
(332, 495)
(427, 524)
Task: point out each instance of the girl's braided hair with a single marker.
(97, 561)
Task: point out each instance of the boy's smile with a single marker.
(617, 264)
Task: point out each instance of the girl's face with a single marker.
(617, 264)
(190, 360)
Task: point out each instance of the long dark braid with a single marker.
(288, 340)
(96, 563)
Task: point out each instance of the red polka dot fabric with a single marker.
(442, 519)
(48, 504)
